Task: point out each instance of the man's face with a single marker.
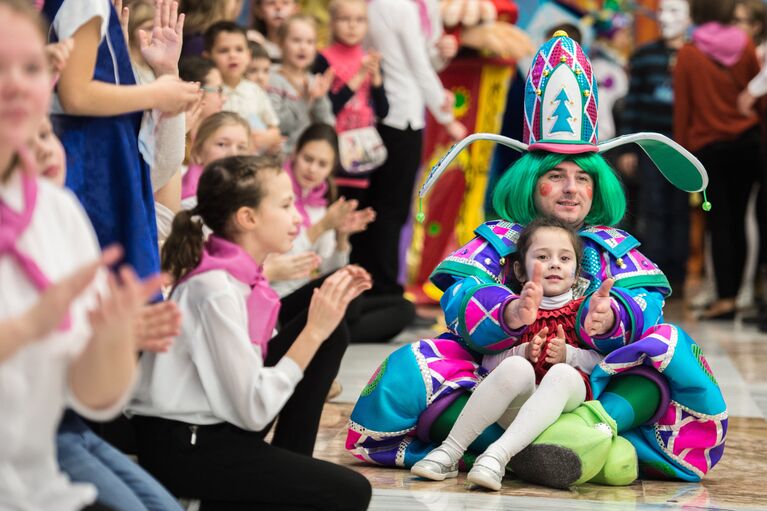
(674, 18)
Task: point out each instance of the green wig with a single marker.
(514, 195)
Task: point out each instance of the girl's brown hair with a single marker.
(284, 29)
(211, 124)
(225, 186)
(757, 11)
(705, 11)
(200, 14)
(141, 11)
(526, 239)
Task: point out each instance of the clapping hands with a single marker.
(555, 348)
(329, 301)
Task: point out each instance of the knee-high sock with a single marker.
(513, 380)
(561, 390)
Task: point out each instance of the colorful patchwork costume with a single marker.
(601, 441)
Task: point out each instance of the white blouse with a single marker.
(212, 373)
(410, 81)
(34, 386)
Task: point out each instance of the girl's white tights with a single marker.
(508, 396)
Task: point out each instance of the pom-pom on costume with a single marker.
(658, 408)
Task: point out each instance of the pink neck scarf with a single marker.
(423, 14)
(263, 304)
(12, 226)
(190, 180)
(346, 61)
(314, 197)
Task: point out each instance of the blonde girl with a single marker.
(220, 135)
(299, 97)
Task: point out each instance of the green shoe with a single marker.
(571, 451)
(621, 467)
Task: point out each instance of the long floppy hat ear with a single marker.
(442, 164)
(680, 167)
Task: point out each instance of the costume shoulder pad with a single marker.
(502, 235)
(616, 242)
(483, 257)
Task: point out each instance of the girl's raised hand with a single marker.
(600, 318)
(290, 266)
(329, 301)
(54, 302)
(338, 212)
(524, 310)
(357, 221)
(156, 326)
(161, 47)
(193, 112)
(556, 353)
(123, 16)
(535, 346)
(321, 83)
(58, 54)
(113, 320)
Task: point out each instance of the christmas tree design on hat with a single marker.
(561, 100)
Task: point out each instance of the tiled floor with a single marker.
(738, 356)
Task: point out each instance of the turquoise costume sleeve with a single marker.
(640, 286)
(635, 310)
(474, 310)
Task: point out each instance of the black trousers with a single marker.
(370, 318)
(733, 168)
(228, 468)
(390, 194)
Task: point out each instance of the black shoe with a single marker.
(422, 322)
(721, 316)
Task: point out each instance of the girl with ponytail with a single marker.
(202, 410)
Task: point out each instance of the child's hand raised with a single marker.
(338, 212)
(356, 221)
(54, 302)
(290, 266)
(161, 48)
(534, 347)
(556, 352)
(156, 326)
(329, 301)
(600, 318)
(320, 85)
(58, 54)
(524, 310)
(113, 320)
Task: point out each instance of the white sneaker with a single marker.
(485, 472)
(431, 468)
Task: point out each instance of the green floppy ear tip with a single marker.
(420, 216)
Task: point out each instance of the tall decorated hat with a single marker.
(561, 100)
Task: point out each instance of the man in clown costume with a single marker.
(657, 409)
